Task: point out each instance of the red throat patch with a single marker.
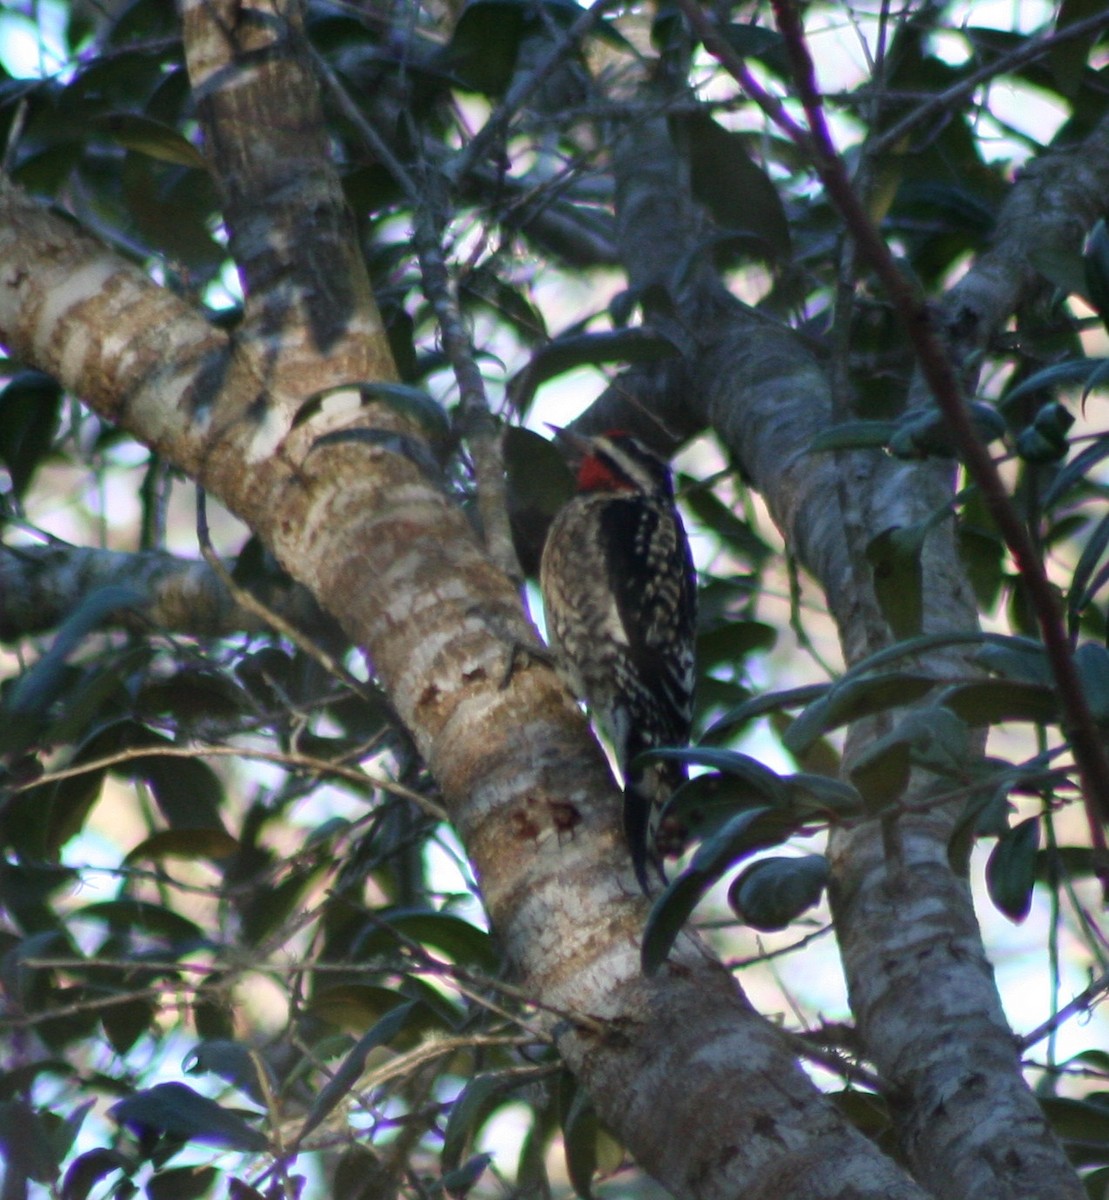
(595, 475)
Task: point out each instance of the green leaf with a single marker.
(735, 189)
(756, 41)
(127, 914)
(774, 891)
(350, 1069)
(1011, 869)
(1084, 584)
(29, 411)
(926, 434)
(758, 706)
(1024, 662)
(567, 352)
(152, 138)
(355, 1007)
(853, 698)
(184, 843)
(28, 1145)
(126, 1022)
(181, 1183)
(470, 1112)
(187, 791)
(361, 1175)
(894, 557)
(854, 435)
(173, 1108)
(1082, 1126)
(1086, 372)
(482, 51)
(1096, 265)
(722, 520)
(881, 773)
(412, 403)
(1077, 469)
(729, 643)
(87, 1170)
(1092, 662)
(750, 771)
(824, 796)
(582, 1135)
(41, 686)
(236, 1062)
(507, 302)
(994, 701)
(748, 831)
(460, 940)
(703, 804)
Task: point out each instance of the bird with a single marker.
(620, 598)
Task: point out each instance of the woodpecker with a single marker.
(619, 591)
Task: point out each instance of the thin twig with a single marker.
(1027, 52)
(253, 605)
(521, 90)
(301, 762)
(1083, 1002)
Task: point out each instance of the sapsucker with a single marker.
(619, 591)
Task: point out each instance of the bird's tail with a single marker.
(650, 839)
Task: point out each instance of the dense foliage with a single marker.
(241, 952)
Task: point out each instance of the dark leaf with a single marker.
(854, 435)
(894, 557)
(993, 701)
(187, 791)
(126, 1022)
(1022, 661)
(470, 1112)
(239, 1064)
(27, 1141)
(711, 512)
(184, 843)
(350, 1069)
(570, 351)
(748, 831)
(44, 683)
(1096, 264)
(736, 718)
(457, 1183)
(29, 407)
(730, 643)
(87, 1170)
(743, 767)
(1092, 662)
(735, 189)
(150, 137)
(482, 51)
(173, 1108)
(579, 1136)
(1011, 869)
(181, 1183)
(361, 1175)
(1082, 1126)
(1077, 469)
(823, 795)
(126, 915)
(1085, 372)
(774, 891)
(853, 698)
